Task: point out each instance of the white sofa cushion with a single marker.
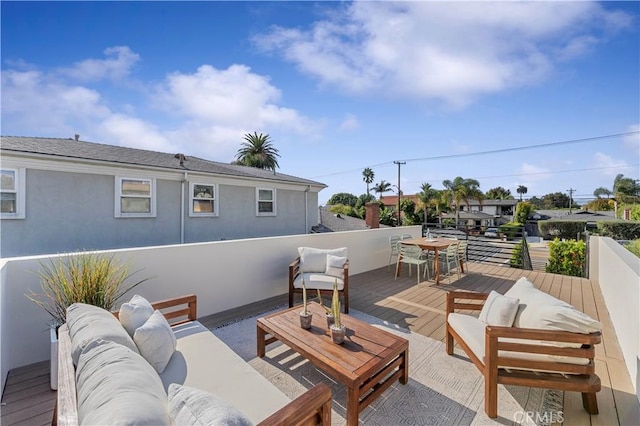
(542, 311)
(156, 341)
(472, 332)
(335, 266)
(203, 361)
(117, 386)
(319, 281)
(195, 407)
(88, 323)
(134, 313)
(499, 310)
(315, 260)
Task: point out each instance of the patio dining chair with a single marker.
(411, 255)
(462, 254)
(450, 258)
(407, 236)
(393, 241)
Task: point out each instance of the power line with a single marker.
(494, 151)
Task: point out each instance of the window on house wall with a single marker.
(265, 202)
(135, 197)
(203, 200)
(12, 190)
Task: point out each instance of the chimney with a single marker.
(372, 215)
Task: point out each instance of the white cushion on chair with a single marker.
(335, 266)
(315, 260)
(499, 310)
(317, 281)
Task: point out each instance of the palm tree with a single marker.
(367, 177)
(425, 198)
(381, 187)
(462, 190)
(498, 193)
(521, 190)
(258, 151)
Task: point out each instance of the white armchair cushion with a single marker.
(315, 260)
(156, 341)
(335, 266)
(314, 281)
(499, 310)
(116, 386)
(191, 406)
(88, 323)
(134, 313)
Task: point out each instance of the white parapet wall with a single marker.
(223, 274)
(617, 270)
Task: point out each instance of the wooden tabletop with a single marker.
(432, 244)
(364, 350)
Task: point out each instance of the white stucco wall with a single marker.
(223, 274)
(617, 270)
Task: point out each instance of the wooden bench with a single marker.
(500, 368)
(311, 408)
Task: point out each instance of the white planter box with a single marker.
(53, 378)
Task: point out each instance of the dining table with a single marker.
(434, 244)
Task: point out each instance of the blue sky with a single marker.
(340, 86)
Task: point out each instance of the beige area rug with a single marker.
(442, 389)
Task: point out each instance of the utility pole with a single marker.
(399, 163)
(571, 191)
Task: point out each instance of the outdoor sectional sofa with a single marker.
(102, 380)
(526, 338)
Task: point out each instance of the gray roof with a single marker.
(494, 202)
(468, 215)
(70, 148)
(332, 222)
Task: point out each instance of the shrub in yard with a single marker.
(561, 228)
(511, 229)
(516, 256)
(633, 247)
(619, 230)
(567, 257)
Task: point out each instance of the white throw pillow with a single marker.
(335, 265)
(191, 406)
(156, 341)
(499, 310)
(88, 323)
(135, 313)
(116, 386)
(315, 260)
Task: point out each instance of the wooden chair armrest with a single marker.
(66, 403)
(189, 310)
(311, 408)
(452, 305)
(546, 335)
(295, 264)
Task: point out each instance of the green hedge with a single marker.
(619, 230)
(567, 257)
(511, 230)
(550, 229)
(516, 256)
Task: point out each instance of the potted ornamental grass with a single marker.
(305, 314)
(337, 329)
(93, 278)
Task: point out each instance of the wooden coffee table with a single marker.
(368, 362)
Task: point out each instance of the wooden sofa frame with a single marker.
(311, 408)
(294, 270)
(568, 377)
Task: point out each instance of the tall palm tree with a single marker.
(381, 187)
(425, 199)
(521, 190)
(258, 151)
(462, 190)
(367, 177)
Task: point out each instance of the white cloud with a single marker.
(117, 65)
(633, 141)
(613, 166)
(532, 173)
(350, 122)
(448, 51)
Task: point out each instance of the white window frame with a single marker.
(274, 201)
(20, 191)
(215, 212)
(118, 192)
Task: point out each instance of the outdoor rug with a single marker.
(442, 389)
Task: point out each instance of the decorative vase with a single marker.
(305, 320)
(330, 320)
(337, 334)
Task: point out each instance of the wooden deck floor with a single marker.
(28, 400)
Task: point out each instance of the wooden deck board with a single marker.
(418, 307)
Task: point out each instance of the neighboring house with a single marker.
(335, 222)
(501, 210)
(391, 201)
(61, 195)
(472, 219)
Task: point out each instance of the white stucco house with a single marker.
(62, 195)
